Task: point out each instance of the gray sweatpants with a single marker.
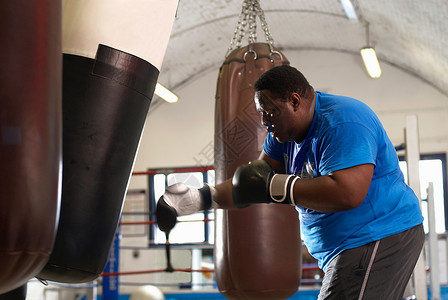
(378, 270)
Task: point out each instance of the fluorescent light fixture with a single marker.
(349, 9)
(371, 62)
(165, 94)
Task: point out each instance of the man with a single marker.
(330, 157)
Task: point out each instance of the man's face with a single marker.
(276, 115)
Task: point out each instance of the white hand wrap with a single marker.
(281, 188)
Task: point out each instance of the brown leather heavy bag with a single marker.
(30, 136)
(257, 249)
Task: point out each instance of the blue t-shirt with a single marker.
(345, 133)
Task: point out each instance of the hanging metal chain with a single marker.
(250, 10)
(252, 21)
(264, 25)
(239, 31)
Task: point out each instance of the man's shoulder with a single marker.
(337, 109)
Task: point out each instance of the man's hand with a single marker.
(257, 183)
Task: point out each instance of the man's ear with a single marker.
(295, 100)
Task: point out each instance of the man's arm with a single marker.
(276, 165)
(223, 195)
(183, 201)
(342, 190)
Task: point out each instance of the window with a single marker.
(432, 168)
(194, 229)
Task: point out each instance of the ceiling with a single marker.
(409, 34)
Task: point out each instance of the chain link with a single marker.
(250, 10)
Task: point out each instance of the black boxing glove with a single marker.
(256, 182)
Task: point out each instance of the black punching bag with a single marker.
(113, 52)
(105, 103)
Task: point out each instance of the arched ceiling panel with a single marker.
(410, 34)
